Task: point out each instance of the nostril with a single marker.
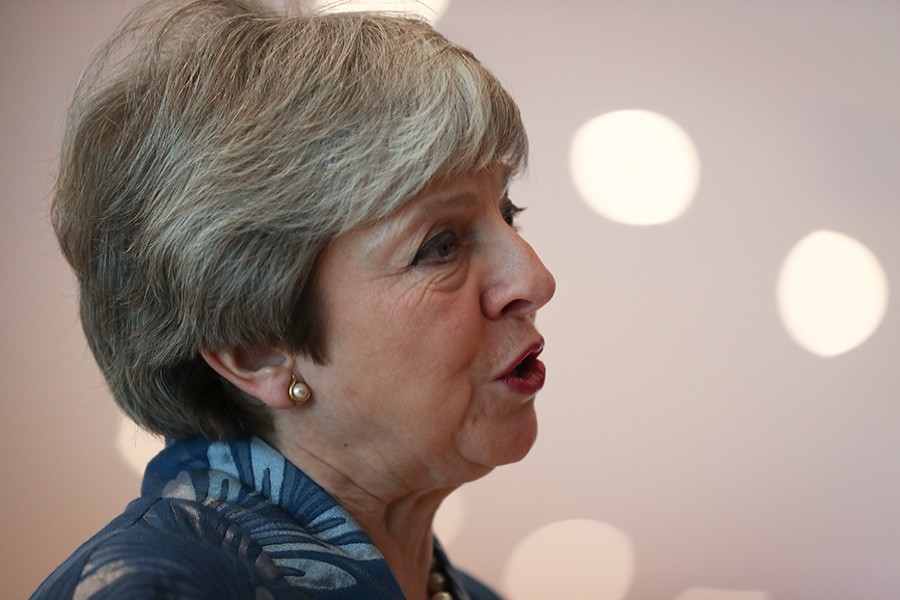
(519, 306)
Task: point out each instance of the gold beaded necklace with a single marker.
(437, 583)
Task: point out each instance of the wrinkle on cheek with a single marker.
(413, 298)
(447, 278)
(423, 295)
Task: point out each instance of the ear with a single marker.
(263, 374)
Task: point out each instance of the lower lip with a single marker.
(530, 382)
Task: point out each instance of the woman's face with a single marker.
(429, 330)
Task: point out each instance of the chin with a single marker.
(522, 450)
(514, 443)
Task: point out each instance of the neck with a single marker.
(396, 516)
(401, 528)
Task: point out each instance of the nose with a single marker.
(519, 283)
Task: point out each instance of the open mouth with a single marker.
(525, 366)
(527, 375)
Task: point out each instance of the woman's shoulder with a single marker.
(166, 548)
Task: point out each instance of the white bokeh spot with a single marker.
(713, 594)
(579, 559)
(832, 293)
(431, 10)
(449, 519)
(136, 446)
(635, 167)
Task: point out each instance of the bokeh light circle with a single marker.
(430, 10)
(136, 446)
(578, 559)
(832, 293)
(635, 167)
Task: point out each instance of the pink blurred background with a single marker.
(678, 410)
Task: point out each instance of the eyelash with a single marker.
(510, 211)
(441, 248)
(437, 249)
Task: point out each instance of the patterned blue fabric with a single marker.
(234, 520)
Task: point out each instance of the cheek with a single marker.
(441, 335)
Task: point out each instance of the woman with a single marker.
(297, 261)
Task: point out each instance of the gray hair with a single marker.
(213, 151)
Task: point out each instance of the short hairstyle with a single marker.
(213, 150)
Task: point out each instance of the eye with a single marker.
(509, 212)
(441, 248)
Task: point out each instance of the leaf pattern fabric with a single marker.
(232, 520)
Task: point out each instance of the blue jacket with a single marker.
(234, 520)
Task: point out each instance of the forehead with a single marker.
(468, 188)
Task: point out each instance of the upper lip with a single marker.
(532, 350)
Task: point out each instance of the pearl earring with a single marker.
(299, 392)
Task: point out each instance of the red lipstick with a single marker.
(526, 374)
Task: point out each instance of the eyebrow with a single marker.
(390, 227)
(464, 197)
(435, 203)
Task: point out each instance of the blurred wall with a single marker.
(690, 447)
